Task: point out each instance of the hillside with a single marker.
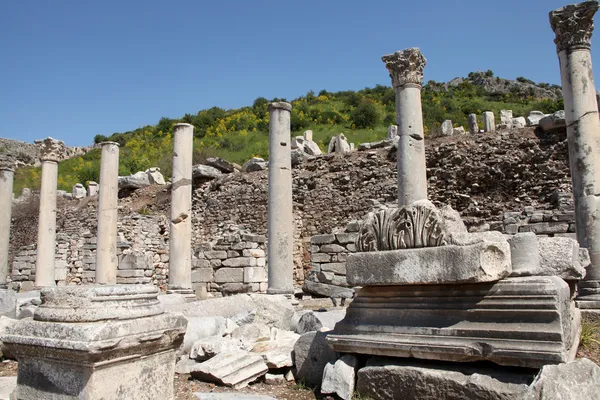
(363, 116)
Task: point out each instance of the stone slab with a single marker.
(233, 368)
(325, 290)
(526, 322)
(577, 380)
(7, 385)
(339, 377)
(396, 379)
(481, 262)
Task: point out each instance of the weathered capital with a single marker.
(573, 25)
(405, 67)
(281, 105)
(51, 149)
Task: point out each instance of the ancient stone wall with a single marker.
(485, 177)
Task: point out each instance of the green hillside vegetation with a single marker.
(239, 134)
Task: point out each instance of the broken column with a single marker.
(573, 26)
(46, 251)
(106, 249)
(406, 71)
(473, 127)
(6, 189)
(281, 219)
(489, 122)
(180, 238)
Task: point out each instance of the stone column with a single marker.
(489, 123)
(281, 219)
(106, 248)
(473, 127)
(573, 26)
(46, 243)
(406, 71)
(180, 238)
(6, 189)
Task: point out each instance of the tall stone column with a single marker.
(6, 188)
(406, 71)
(46, 244)
(573, 26)
(180, 238)
(106, 247)
(281, 219)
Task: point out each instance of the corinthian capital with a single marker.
(50, 149)
(573, 25)
(405, 66)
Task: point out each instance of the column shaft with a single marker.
(412, 168)
(6, 188)
(46, 244)
(106, 248)
(180, 238)
(281, 219)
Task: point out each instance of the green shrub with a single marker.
(366, 115)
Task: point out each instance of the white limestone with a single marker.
(489, 123)
(79, 191)
(180, 241)
(281, 219)
(447, 129)
(406, 72)
(50, 153)
(6, 188)
(106, 252)
(573, 26)
(92, 189)
(473, 127)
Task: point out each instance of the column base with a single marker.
(187, 293)
(588, 298)
(286, 291)
(97, 342)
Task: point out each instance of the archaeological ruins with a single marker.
(352, 273)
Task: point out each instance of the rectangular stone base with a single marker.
(526, 322)
(137, 377)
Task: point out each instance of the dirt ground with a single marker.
(185, 386)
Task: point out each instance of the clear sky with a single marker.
(72, 69)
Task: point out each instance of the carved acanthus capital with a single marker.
(51, 149)
(405, 67)
(416, 225)
(573, 25)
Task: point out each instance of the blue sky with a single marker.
(72, 69)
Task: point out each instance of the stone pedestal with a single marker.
(406, 71)
(527, 322)
(472, 122)
(46, 244)
(106, 252)
(97, 342)
(6, 189)
(180, 240)
(573, 26)
(281, 219)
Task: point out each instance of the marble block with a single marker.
(526, 321)
(97, 342)
(485, 261)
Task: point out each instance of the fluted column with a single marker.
(180, 237)
(46, 245)
(281, 219)
(6, 190)
(406, 71)
(573, 26)
(106, 245)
